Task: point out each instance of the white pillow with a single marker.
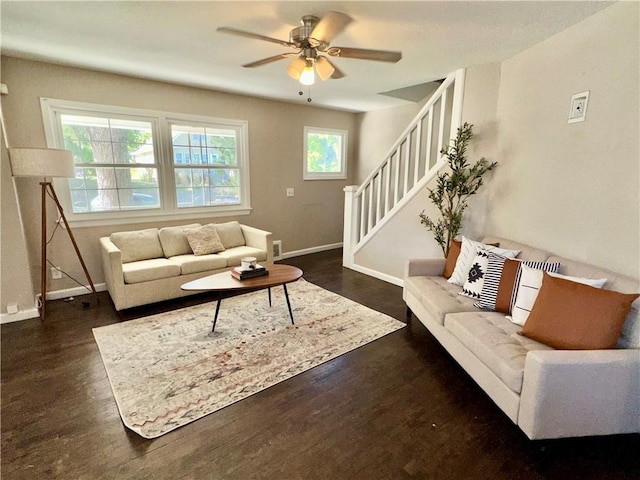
(468, 251)
(530, 283)
(472, 287)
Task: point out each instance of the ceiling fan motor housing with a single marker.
(301, 36)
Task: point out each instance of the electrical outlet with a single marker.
(290, 192)
(12, 308)
(56, 274)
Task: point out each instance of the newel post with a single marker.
(350, 225)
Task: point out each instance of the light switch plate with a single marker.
(578, 108)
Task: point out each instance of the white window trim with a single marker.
(161, 125)
(342, 174)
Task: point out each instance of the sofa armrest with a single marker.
(254, 237)
(431, 267)
(574, 393)
(113, 275)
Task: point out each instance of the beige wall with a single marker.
(16, 285)
(312, 218)
(573, 188)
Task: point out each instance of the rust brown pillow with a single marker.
(452, 258)
(572, 316)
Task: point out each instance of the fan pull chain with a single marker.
(300, 92)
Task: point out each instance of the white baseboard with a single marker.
(51, 295)
(21, 315)
(307, 251)
(379, 275)
(75, 291)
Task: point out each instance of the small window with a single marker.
(325, 154)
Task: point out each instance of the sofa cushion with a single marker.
(200, 263)
(138, 245)
(231, 234)
(438, 296)
(233, 255)
(204, 240)
(146, 270)
(573, 316)
(494, 340)
(174, 240)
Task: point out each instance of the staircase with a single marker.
(412, 162)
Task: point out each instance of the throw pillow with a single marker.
(452, 258)
(230, 234)
(529, 286)
(468, 252)
(574, 316)
(497, 278)
(472, 287)
(502, 281)
(204, 240)
(174, 240)
(138, 245)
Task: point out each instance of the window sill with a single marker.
(158, 217)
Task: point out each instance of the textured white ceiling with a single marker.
(177, 41)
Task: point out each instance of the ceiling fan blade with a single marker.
(265, 61)
(365, 54)
(330, 26)
(243, 33)
(327, 70)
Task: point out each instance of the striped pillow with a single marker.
(502, 280)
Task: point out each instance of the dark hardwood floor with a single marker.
(396, 408)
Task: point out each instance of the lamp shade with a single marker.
(41, 162)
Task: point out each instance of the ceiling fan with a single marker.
(310, 41)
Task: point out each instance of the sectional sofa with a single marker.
(547, 392)
(150, 265)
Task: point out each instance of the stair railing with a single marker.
(411, 163)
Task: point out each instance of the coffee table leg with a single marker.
(215, 318)
(269, 296)
(286, 295)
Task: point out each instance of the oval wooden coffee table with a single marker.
(223, 282)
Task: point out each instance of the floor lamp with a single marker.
(45, 163)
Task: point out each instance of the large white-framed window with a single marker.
(325, 153)
(135, 163)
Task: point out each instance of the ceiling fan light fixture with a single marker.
(307, 77)
(296, 67)
(324, 68)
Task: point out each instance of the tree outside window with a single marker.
(325, 154)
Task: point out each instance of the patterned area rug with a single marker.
(167, 370)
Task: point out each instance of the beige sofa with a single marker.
(548, 393)
(150, 265)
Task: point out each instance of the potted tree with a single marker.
(453, 188)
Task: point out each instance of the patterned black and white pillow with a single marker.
(472, 287)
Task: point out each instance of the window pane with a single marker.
(197, 187)
(104, 141)
(107, 140)
(324, 153)
(107, 189)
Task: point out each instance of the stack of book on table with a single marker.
(240, 274)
